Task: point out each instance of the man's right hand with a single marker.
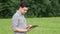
(29, 28)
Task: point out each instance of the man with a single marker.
(18, 20)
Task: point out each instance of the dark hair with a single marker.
(24, 4)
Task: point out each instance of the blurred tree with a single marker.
(38, 8)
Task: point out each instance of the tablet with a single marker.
(34, 26)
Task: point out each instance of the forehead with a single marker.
(26, 8)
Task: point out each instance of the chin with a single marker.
(23, 13)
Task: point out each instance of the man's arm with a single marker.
(20, 30)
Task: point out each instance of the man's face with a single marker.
(24, 10)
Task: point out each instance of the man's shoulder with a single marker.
(16, 15)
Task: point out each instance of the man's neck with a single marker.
(20, 11)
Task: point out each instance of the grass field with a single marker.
(46, 25)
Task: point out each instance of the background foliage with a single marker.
(38, 8)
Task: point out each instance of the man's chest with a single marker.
(22, 22)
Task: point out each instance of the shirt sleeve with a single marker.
(14, 22)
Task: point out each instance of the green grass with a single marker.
(46, 25)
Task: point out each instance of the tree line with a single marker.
(38, 8)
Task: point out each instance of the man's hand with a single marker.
(29, 27)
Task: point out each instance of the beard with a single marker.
(24, 13)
